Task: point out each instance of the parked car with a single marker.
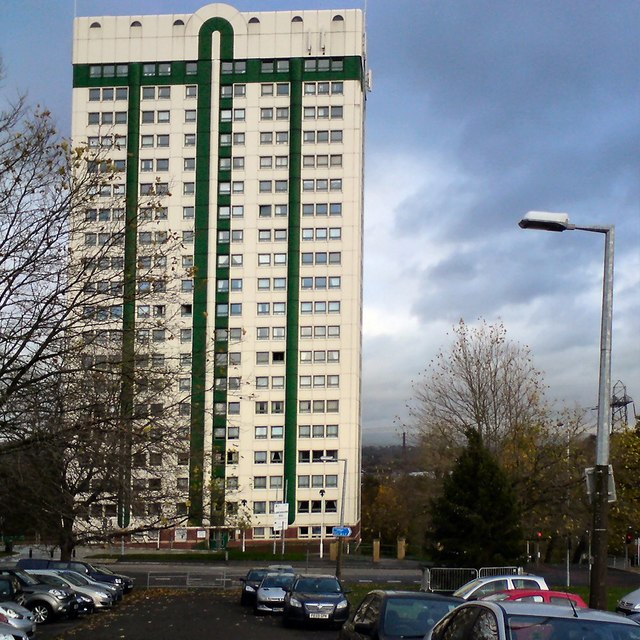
(271, 591)
(98, 596)
(538, 595)
(315, 598)
(116, 591)
(630, 603)
(387, 615)
(481, 587)
(482, 619)
(19, 617)
(7, 632)
(99, 574)
(85, 603)
(253, 579)
(127, 581)
(44, 601)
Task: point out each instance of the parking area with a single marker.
(176, 614)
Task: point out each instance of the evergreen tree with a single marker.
(475, 522)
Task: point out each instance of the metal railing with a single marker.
(452, 578)
(209, 580)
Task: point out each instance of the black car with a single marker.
(390, 615)
(253, 579)
(46, 602)
(315, 598)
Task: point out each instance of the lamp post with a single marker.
(344, 487)
(341, 540)
(546, 221)
(322, 492)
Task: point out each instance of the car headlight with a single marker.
(10, 613)
(5, 636)
(61, 595)
(636, 606)
(250, 588)
(342, 604)
(294, 602)
(119, 581)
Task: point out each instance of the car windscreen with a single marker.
(256, 574)
(318, 585)
(414, 616)
(5, 587)
(467, 588)
(76, 579)
(47, 578)
(26, 578)
(282, 580)
(546, 628)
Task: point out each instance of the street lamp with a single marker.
(322, 492)
(344, 486)
(546, 221)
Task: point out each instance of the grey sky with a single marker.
(480, 112)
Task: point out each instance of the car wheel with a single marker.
(42, 612)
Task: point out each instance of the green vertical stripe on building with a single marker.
(201, 257)
(293, 287)
(129, 292)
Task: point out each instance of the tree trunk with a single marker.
(67, 540)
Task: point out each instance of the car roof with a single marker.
(518, 593)
(423, 595)
(550, 610)
(507, 576)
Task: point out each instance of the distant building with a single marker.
(240, 137)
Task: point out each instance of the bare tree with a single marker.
(483, 382)
(89, 414)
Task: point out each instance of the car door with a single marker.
(364, 614)
(485, 626)
(490, 587)
(525, 583)
(457, 625)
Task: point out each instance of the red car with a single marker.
(539, 595)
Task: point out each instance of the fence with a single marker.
(210, 580)
(450, 578)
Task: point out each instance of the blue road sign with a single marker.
(341, 532)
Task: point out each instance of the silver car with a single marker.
(270, 592)
(520, 620)
(19, 617)
(101, 598)
(7, 632)
(630, 603)
(80, 579)
(481, 587)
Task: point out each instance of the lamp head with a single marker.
(545, 221)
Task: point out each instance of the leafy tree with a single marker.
(488, 384)
(625, 512)
(476, 522)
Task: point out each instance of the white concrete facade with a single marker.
(267, 213)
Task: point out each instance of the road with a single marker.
(153, 574)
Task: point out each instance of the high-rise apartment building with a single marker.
(239, 140)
